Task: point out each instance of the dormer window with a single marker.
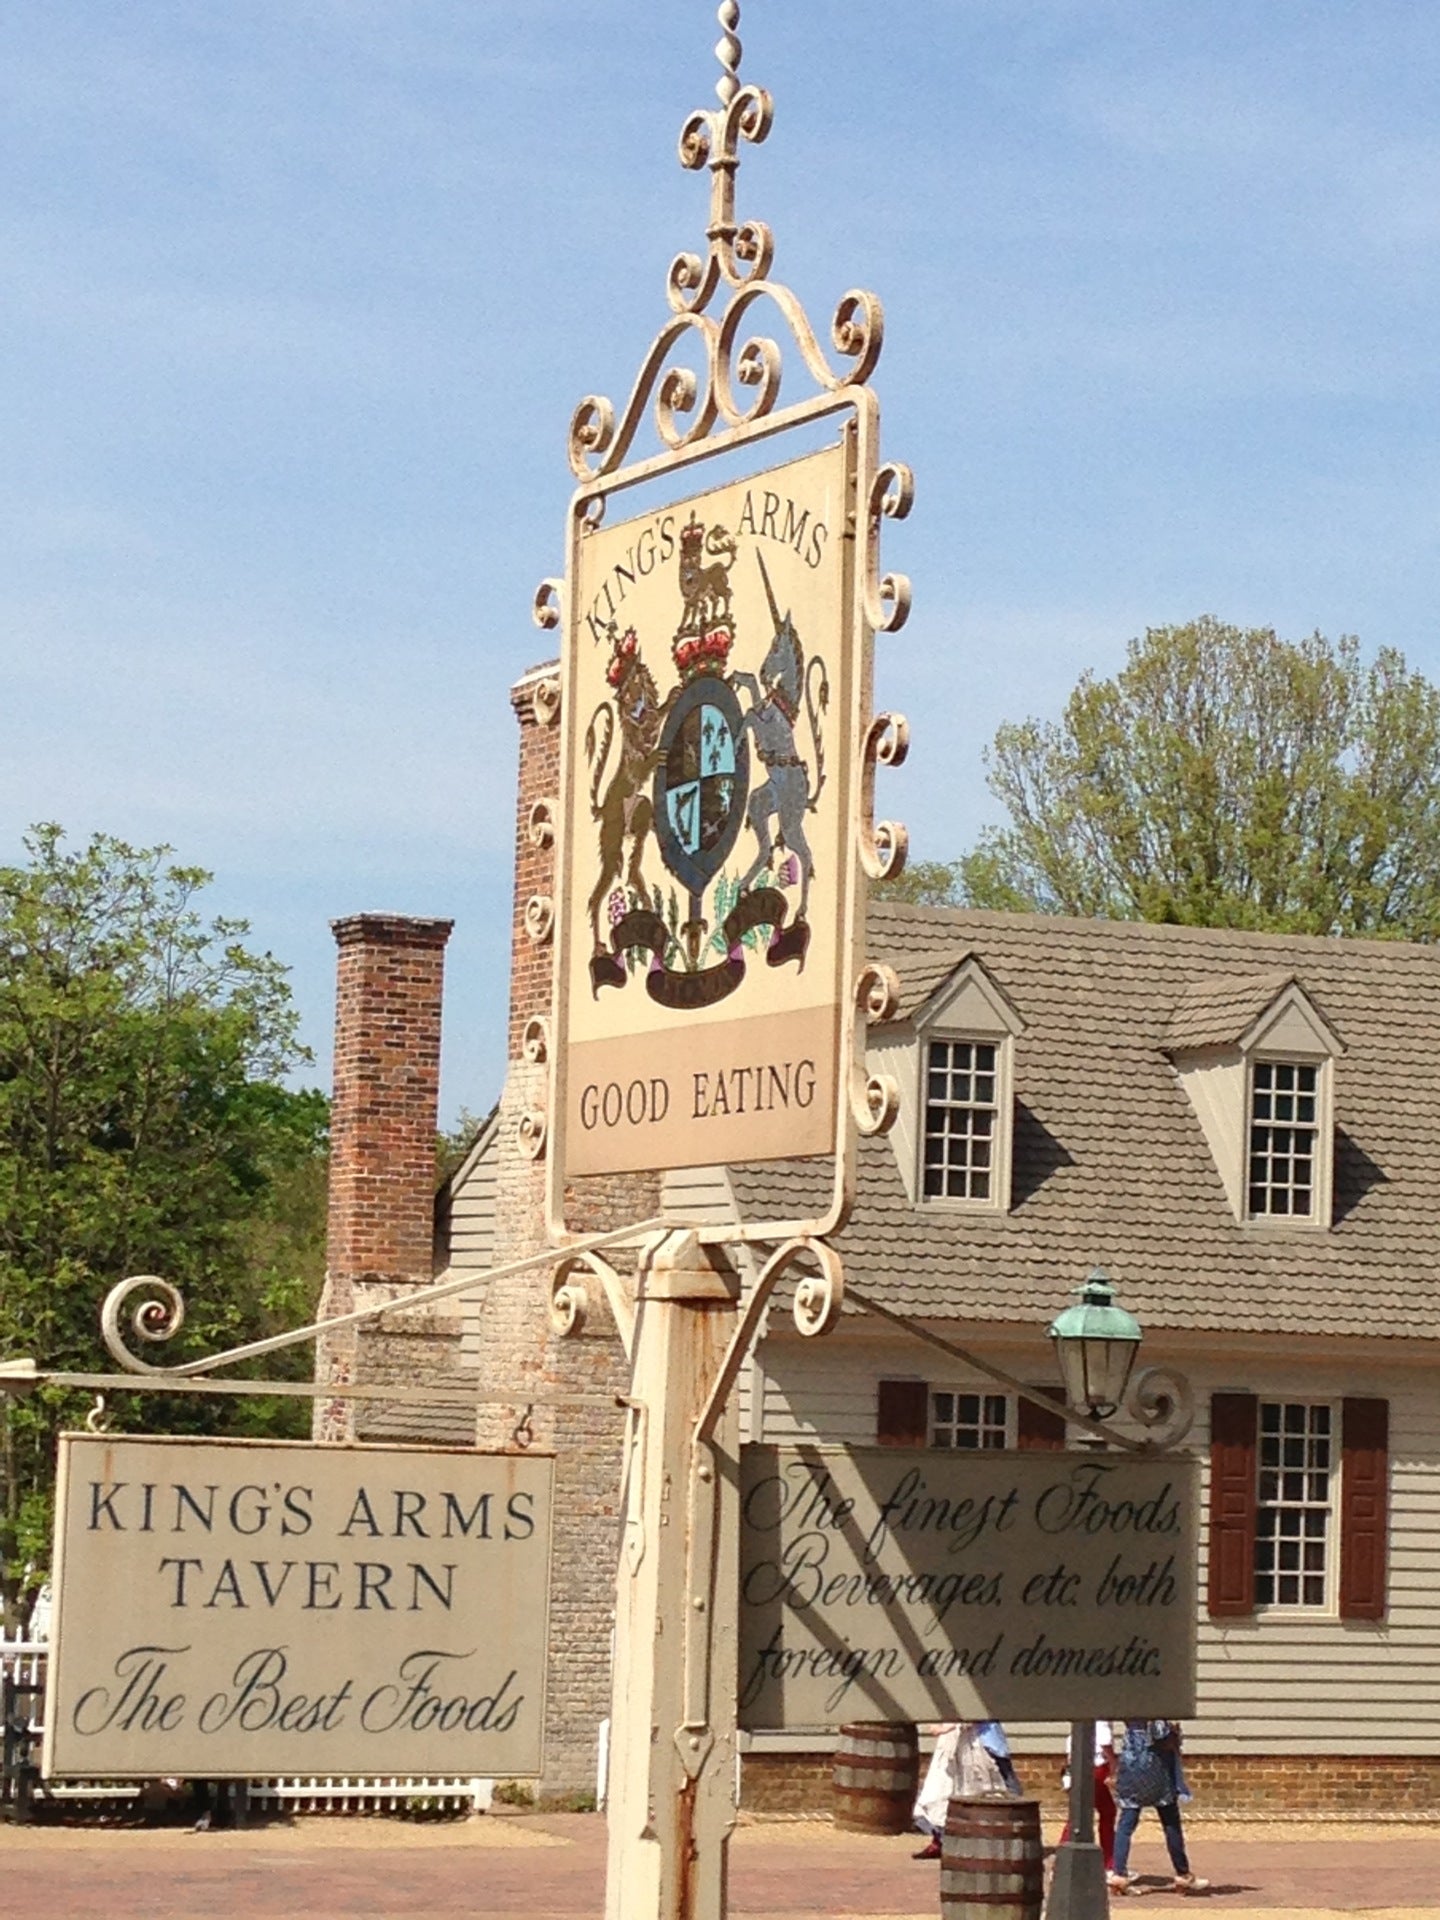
(1256, 1057)
(954, 1060)
(960, 1120)
(1284, 1111)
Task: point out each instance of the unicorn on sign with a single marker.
(786, 796)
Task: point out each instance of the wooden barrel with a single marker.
(990, 1860)
(877, 1775)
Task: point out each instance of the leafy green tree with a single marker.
(924, 883)
(453, 1143)
(143, 1129)
(1226, 778)
(978, 878)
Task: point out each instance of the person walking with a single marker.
(991, 1735)
(1104, 1798)
(1148, 1774)
(971, 1760)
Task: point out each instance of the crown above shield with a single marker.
(706, 632)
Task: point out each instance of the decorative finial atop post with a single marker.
(728, 50)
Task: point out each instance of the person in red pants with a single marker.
(1104, 1798)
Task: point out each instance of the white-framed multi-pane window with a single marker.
(1296, 1463)
(964, 1420)
(1283, 1175)
(961, 1120)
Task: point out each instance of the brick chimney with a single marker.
(521, 1362)
(538, 779)
(390, 980)
(383, 1117)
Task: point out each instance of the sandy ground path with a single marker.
(551, 1867)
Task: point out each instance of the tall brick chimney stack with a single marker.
(517, 1341)
(383, 1117)
(538, 779)
(525, 1371)
(386, 1106)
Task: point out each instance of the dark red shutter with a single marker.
(1038, 1430)
(1364, 1508)
(902, 1413)
(1233, 1419)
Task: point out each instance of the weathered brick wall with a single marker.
(389, 985)
(1265, 1786)
(539, 779)
(1315, 1783)
(520, 1356)
(380, 1226)
(408, 1348)
(799, 1784)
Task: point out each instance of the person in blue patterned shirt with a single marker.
(1148, 1774)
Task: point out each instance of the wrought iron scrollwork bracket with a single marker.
(735, 380)
(159, 1310)
(1161, 1400)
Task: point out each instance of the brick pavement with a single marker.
(551, 1868)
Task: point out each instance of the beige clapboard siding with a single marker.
(817, 1393)
(472, 1218)
(472, 1235)
(1302, 1683)
(1280, 1682)
(698, 1194)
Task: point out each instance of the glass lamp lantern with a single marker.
(1095, 1344)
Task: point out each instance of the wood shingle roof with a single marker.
(1110, 1161)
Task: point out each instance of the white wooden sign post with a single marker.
(671, 1798)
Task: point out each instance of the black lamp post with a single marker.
(1095, 1344)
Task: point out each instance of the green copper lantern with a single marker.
(1096, 1343)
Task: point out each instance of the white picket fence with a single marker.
(372, 1794)
(24, 1661)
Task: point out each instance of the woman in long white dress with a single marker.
(971, 1761)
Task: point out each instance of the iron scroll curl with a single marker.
(158, 1315)
(731, 336)
(1162, 1400)
(688, 400)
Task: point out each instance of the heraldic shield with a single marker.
(702, 782)
(686, 774)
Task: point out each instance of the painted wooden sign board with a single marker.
(712, 696)
(236, 1609)
(880, 1584)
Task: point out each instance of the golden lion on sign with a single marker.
(635, 717)
(705, 589)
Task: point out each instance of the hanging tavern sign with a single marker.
(713, 826)
(877, 1585)
(245, 1608)
(711, 702)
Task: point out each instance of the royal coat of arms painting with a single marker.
(710, 695)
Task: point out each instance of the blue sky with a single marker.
(299, 295)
